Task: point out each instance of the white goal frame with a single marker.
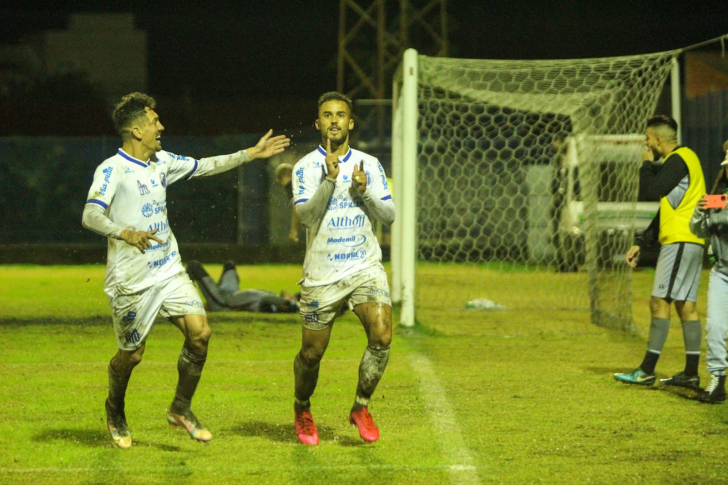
(404, 247)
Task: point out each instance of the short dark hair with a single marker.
(662, 120)
(129, 109)
(334, 96)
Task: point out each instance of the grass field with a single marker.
(471, 397)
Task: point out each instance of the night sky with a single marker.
(288, 48)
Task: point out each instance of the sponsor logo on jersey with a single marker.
(107, 177)
(353, 256)
(375, 292)
(348, 241)
(143, 190)
(132, 336)
(161, 226)
(182, 157)
(384, 177)
(128, 170)
(158, 246)
(341, 201)
(153, 182)
(163, 178)
(158, 263)
(299, 174)
(346, 179)
(154, 207)
(345, 222)
(312, 317)
(194, 303)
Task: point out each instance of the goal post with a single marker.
(486, 158)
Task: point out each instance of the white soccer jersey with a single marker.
(134, 196)
(343, 242)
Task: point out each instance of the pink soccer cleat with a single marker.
(364, 421)
(305, 427)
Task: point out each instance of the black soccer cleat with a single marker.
(228, 265)
(715, 392)
(683, 380)
(195, 270)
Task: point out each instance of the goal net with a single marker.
(516, 182)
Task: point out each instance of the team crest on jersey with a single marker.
(147, 210)
(154, 182)
(143, 190)
(163, 179)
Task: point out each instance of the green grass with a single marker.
(511, 396)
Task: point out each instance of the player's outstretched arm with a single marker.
(268, 146)
(312, 210)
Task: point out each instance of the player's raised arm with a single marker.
(266, 147)
(310, 210)
(376, 197)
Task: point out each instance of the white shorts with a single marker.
(321, 304)
(134, 314)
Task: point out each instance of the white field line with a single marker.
(449, 436)
(234, 469)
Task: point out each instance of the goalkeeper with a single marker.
(679, 185)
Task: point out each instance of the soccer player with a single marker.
(127, 203)
(678, 185)
(713, 223)
(337, 193)
(226, 294)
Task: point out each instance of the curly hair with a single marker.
(131, 108)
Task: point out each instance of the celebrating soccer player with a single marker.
(127, 203)
(337, 192)
(678, 185)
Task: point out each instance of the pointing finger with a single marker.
(328, 146)
(361, 167)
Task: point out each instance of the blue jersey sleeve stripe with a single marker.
(98, 202)
(300, 201)
(194, 169)
(387, 197)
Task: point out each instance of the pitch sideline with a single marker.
(441, 411)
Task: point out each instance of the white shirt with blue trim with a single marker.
(343, 241)
(133, 194)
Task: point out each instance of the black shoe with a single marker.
(715, 392)
(683, 380)
(195, 270)
(228, 265)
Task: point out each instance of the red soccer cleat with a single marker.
(364, 421)
(305, 428)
